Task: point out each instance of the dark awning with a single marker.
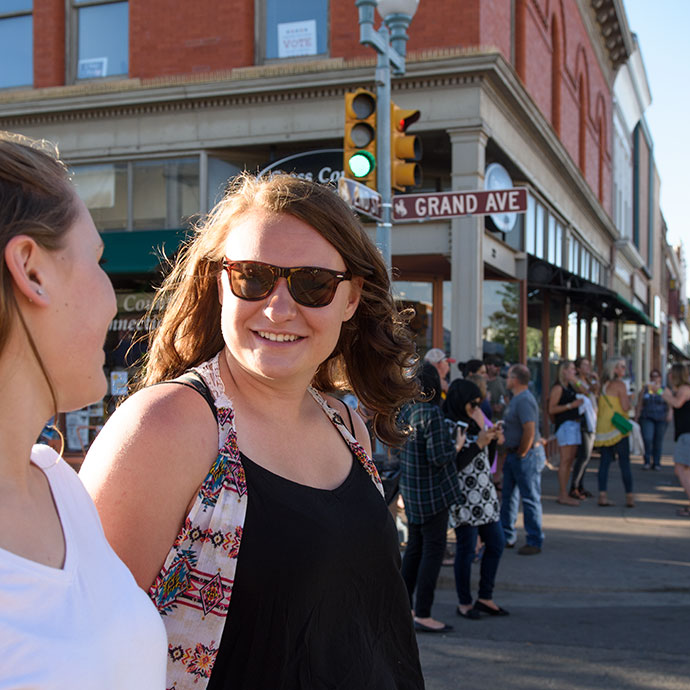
(139, 251)
(677, 352)
(599, 299)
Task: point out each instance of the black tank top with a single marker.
(568, 395)
(681, 420)
(318, 600)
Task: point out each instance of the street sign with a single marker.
(360, 197)
(457, 204)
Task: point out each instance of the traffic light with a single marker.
(360, 137)
(405, 150)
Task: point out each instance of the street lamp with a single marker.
(389, 42)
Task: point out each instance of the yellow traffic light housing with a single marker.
(359, 141)
(406, 149)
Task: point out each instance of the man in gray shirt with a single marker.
(524, 463)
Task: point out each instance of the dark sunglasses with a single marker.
(309, 286)
(475, 403)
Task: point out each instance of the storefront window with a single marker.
(551, 247)
(500, 319)
(103, 38)
(103, 188)
(529, 225)
(559, 244)
(140, 195)
(165, 193)
(16, 43)
(124, 347)
(540, 231)
(295, 29)
(419, 296)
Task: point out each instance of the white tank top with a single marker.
(86, 626)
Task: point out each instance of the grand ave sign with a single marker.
(457, 204)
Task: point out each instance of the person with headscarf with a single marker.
(476, 513)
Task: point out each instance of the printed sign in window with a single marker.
(297, 38)
(92, 68)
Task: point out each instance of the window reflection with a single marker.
(500, 319)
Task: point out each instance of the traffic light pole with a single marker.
(388, 55)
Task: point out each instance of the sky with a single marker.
(662, 28)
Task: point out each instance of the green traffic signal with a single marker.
(361, 164)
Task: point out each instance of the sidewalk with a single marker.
(616, 549)
(605, 605)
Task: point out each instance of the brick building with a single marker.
(155, 104)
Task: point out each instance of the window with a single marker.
(551, 245)
(140, 195)
(16, 43)
(295, 29)
(573, 254)
(584, 264)
(539, 232)
(529, 225)
(419, 296)
(559, 244)
(101, 28)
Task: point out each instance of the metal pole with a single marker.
(383, 148)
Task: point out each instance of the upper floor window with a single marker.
(294, 29)
(102, 38)
(16, 43)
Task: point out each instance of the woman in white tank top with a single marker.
(71, 614)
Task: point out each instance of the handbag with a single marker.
(622, 423)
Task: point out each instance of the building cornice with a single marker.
(304, 82)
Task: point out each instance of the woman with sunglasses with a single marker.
(71, 614)
(253, 513)
(476, 514)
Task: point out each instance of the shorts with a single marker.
(569, 433)
(681, 453)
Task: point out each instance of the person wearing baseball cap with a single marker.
(442, 362)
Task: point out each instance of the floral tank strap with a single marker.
(193, 590)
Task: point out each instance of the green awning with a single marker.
(139, 251)
(631, 313)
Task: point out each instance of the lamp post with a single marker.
(389, 42)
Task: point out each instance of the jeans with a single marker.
(653, 436)
(584, 453)
(622, 449)
(523, 474)
(421, 564)
(494, 541)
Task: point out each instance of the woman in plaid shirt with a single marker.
(429, 484)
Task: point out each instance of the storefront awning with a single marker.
(599, 299)
(677, 352)
(140, 251)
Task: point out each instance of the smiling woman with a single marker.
(256, 501)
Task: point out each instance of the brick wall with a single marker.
(192, 38)
(49, 43)
(579, 61)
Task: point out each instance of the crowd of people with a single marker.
(504, 452)
(231, 505)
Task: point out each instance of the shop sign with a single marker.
(458, 204)
(322, 165)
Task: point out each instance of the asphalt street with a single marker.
(605, 605)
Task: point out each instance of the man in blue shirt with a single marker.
(524, 463)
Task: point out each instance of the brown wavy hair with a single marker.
(36, 199)
(375, 354)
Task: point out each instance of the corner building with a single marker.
(155, 109)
